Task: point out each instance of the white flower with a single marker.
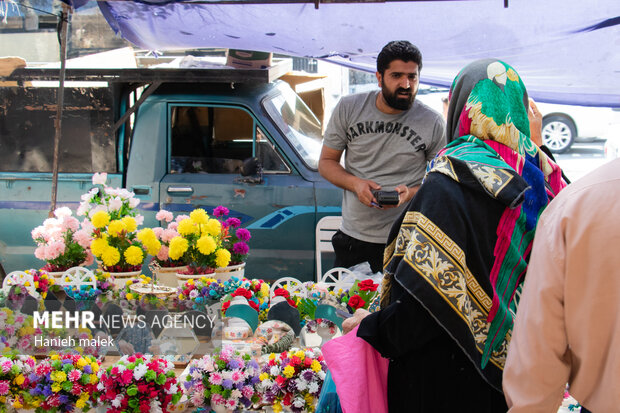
(235, 394)
(321, 374)
(301, 385)
(274, 370)
(139, 219)
(155, 406)
(299, 402)
(313, 387)
(115, 204)
(139, 371)
(62, 212)
(173, 389)
(134, 202)
(97, 209)
(100, 178)
(117, 400)
(100, 386)
(82, 208)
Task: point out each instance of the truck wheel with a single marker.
(558, 133)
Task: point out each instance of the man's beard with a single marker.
(396, 102)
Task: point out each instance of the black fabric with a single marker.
(548, 152)
(432, 370)
(352, 251)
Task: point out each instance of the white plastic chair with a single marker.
(293, 286)
(19, 278)
(334, 277)
(78, 276)
(325, 230)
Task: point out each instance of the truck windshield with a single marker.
(297, 122)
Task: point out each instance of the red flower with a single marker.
(308, 361)
(225, 306)
(254, 305)
(242, 292)
(291, 302)
(281, 291)
(356, 302)
(287, 399)
(295, 361)
(367, 285)
(280, 380)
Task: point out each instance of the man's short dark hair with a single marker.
(398, 50)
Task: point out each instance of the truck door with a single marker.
(207, 146)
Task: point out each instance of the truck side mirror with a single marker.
(250, 166)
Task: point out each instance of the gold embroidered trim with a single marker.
(442, 264)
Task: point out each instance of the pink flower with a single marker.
(158, 231)
(217, 399)
(173, 226)
(19, 318)
(197, 399)
(231, 404)
(162, 255)
(236, 376)
(62, 212)
(115, 204)
(6, 366)
(232, 222)
(90, 258)
(24, 343)
(215, 378)
(100, 178)
(4, 387)
(54, 250)
(39, 252)
(74, 375)
(83, 238)
(220, 211)
(164, 215)
(247, 392)
(70, 223)
(243, 234)
(240, 248)
(168, 234)
(180, 218)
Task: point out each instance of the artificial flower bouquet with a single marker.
(138, 383)
(201, 292)
(61, 242)
(42, 281)
(235, 239)
(61, 383)
(293, 379)
(114, 221)
(14, 378)
(199, 244)
(360, 295)
(225, 379)
(255, 291)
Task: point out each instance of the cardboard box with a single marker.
(248, 59)
(311, 89)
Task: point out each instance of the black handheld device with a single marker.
(386, 197)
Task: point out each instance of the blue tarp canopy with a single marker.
(566, 51)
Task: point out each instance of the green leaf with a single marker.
(85, 379)
(133, 403)
(161, 379)
(150, 375)
(67, 386)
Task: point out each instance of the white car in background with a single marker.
(562, 124)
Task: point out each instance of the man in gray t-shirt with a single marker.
(387, 137)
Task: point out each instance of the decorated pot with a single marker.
(224, 273)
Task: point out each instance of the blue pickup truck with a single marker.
(179, 139)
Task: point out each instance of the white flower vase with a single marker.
(183, 278)
(324, 333)
(224, 273)
(168, 275)
(121, 278)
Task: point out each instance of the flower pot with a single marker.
(224, 273)
(183, 278)
(167, 275)
(120, 278)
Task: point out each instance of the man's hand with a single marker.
(350, 323)
(535, 118)
(363, 189)
(405, 193)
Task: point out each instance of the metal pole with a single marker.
(62, 39)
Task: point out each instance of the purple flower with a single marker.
(243, 234)
(47, 391)
(240, 248)
(88, 369)
(227, 384)
(63, 398)
(308, 375)
(220, 211)
(232, 222)
(292, 386)
(233, 364)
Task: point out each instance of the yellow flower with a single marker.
(129, 296)
(94, 366)
(272, 356)
(130, 224)
(186, 227)
(59, 376)
(110, 256)
(309, 398)
(116, 227)
(97, 246)
(100, 219)
(54, 357)
(152, 246)
(19, 380)
(146, 234)
(264, 289)
(315, 366)
(199, 216)
(288, 371)
(27, 283)
(277, 407)
(93, 379)
(36, 284)
(134, 255)
(17, 404)
(82, 362)
(222, 257)
(263, 376)
(80, 403)
(300, 354)
(178, 246)
(56, 388)
(213, 227)
(206, 245)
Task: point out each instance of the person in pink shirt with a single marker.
(567, 328)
